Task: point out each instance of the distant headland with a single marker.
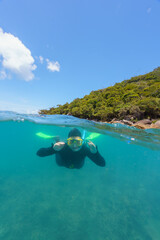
(135, 102)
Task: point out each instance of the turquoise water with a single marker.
(42, 201)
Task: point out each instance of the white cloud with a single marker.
(16, 57)
(53, 66)
(41, 59)
(149, 10)
(3, 75)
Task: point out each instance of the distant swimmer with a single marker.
(73, 153)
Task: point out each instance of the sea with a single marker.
(40, 200)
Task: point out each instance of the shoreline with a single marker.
(141, 124)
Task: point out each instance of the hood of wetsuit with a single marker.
(74, 133)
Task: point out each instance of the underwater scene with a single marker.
(40, 200)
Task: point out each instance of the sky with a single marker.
(54, 51)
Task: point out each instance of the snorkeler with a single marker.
(72, 154)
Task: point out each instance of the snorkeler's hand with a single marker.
(58, 146)
(92, 147)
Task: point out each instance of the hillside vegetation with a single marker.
(133, 99)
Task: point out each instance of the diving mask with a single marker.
(78, 141)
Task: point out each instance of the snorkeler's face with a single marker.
(75, 143)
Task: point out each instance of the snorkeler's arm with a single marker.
(43, 152)
(96, 157)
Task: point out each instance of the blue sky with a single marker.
(54, 51)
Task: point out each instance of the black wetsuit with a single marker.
(70, 159)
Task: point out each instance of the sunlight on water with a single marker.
(41, 201)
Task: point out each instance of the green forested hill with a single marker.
(132, 99)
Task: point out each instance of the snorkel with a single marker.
(84, 135)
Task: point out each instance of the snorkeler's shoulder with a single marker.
(65, 148)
